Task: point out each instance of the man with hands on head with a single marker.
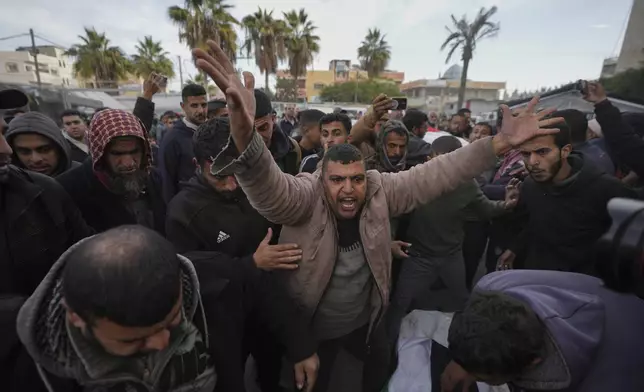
(340, 218)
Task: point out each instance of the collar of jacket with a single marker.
(19, 194)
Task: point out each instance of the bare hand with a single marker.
(379, 106)
(453, 375)
(596, 93)
(153, 84)
(506, 261)
(512, 194)
(398, 249)
(240, 98)
(527, 125)
(306, 373)
(282, 256)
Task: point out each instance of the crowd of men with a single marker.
(159, 258)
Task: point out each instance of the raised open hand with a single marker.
(527, 125)
(240, 96)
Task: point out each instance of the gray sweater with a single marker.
(436, 229)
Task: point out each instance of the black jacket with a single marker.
(566, 219)
(626, 146)
(175, 158)
(77, 154)
(200, 219)
(286, 152)
(38, 223)
(104, 210)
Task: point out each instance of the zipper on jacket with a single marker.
(335, 259)
(380, 292)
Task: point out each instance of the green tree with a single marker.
(265, 37)
(150, 58)
(301, 43)
(201, 20)
(360, 92)
(95, 59)
(465, 36)
(627, 85)
(286, 90)
(374, 53)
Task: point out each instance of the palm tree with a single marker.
(265, 37)
(97, 60)
(152, 58)
(201, 20)
(374, 53)
(301, 43)
(466, 36)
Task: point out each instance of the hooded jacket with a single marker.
(199, 218)
(380, 161)
(88, 184)
(567, 218)
(38, 123)
(594, 337)
(219, 295)
(285, 151)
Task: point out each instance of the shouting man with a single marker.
(340, 218)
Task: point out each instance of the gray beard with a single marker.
(130, 186)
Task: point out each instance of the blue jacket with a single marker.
(175, 159)
(597, 332)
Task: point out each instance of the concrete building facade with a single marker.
(632, 52)
(56, 69)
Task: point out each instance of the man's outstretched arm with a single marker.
(279, 197)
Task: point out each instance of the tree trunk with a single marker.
(461, 90)
(266, 80)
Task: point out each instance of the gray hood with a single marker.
(42, 327)
(38, 123)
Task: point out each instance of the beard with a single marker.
(231, 195)
(129, 185)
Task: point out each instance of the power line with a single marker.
(14, 36)
(48, 41)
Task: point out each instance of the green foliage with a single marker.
(151, 58)
(96, 59)
(374, 53)
(265, 37)
(365, 91)
(286, 90)
(628, 84)
(201, 20)
(301, 42)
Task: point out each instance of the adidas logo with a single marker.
(222, 237)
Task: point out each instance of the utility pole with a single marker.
(34, 52)
(180, 72)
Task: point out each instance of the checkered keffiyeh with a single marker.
(111, 123)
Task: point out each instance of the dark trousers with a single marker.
(418, 274)
(267, 353)
(476, 234)
(375, 356)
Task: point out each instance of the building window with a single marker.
(64, 64)
(60, 63)
(318, 86)
(12, 67)
(54, 71)
(29, 68)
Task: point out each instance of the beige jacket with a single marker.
(299, 204)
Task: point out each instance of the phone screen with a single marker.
(400, 103)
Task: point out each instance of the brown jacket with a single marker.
(299, 203)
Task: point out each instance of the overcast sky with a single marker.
(541, 43)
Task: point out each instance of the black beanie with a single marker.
(263, 105)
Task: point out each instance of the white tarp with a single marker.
(417, 331)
